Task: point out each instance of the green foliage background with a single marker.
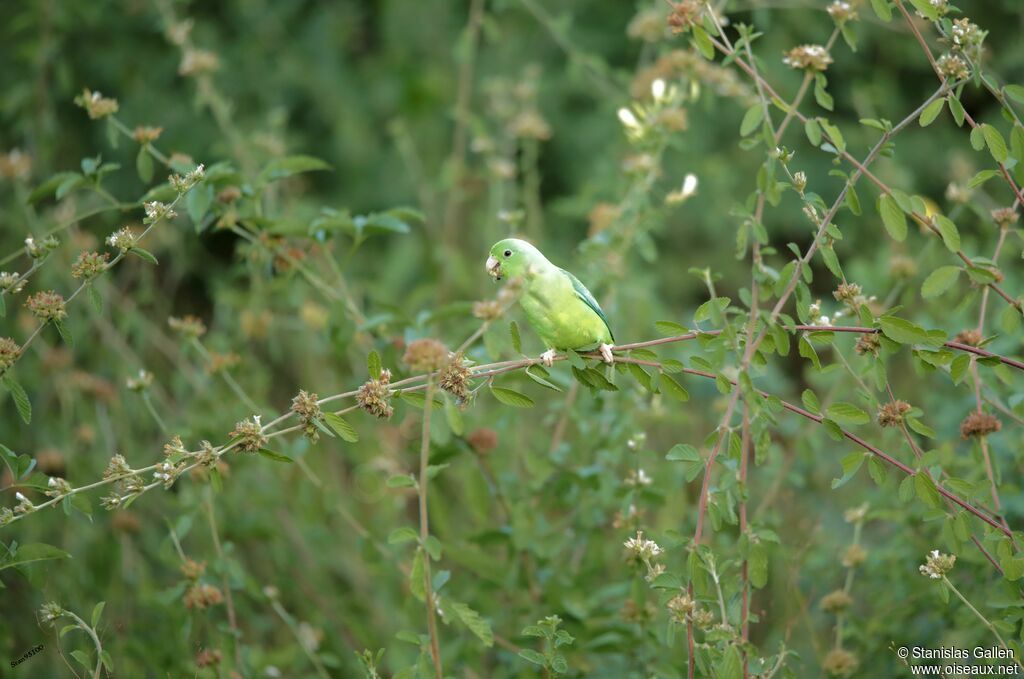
(535, 526)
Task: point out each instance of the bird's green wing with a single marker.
(588, 299)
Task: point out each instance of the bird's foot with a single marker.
(606, 353)
(548, 357)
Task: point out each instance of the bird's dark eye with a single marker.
(508, 253)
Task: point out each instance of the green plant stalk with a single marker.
(984, 620)
(95, 640)
(424, 482)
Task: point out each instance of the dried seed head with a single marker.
(15, 165)
(251, 434)
(648, 25)
(902, 267)
(46, 306)
(455, 378)
(840, 663)
(193, 570)
(836, 602)
(375, 395)
(306, 407)
(208, 657)
(841, 12)
(704, 619)
(229, 194)
(641, 547)
(145, 134)
(487, 310)
(425, 355)
(118, 466)
(37, 249)
(936, 565)
(868, 343)
(808, 57)
(155, 211)
(189, 326)
(9, 353)
(856, 514)
(95, 104)
(123, 239)
(891, 414)
(50, 612)
(970, 337)
(685, 15)
(483, 440)
(681, 607)
(979, 424)
(89, 265)
(197, 61)
(219, 362)
(202, 596)
(1005, 217)
(953, 66)
(847, 292)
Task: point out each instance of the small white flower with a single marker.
(658, 89)
(21, 498)
(641, 547)
(685, 192)
(52, 483)
(628, 119)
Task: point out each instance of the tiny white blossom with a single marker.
(20, 497)
(658, 89)
(628, 119)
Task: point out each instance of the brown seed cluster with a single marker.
(96, 105)
(1005, 217)
(685, 15)
(808, 58)
(306, 407)
(375, 396)
(425, 355)
(89, 265)
(854, 556)
(483, 440)
(46, 306)
(836, 602)
(979, 424)
(9, 352)
(891, 414)
(193, 570)
(202, 596)
(455, 378)
(487, 310)
(969, 337)
(251, 434)
(840, 663)
(189, 326)
(144, 134)
(847, 292)
(208, 657)
(868, 343)
(953, 66)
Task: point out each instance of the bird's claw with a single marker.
(548, 357)
(606, 353)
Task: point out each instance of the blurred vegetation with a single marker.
(359, 159)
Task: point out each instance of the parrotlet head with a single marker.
(512, 258)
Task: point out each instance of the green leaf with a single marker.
(957, 109)
(813, 132)
(851, 465)
(931, 112)
(877, 470)
(95, 298)
(1015, 92)
(532, 656)
(279, 168)
(668, 385)
(702, 42)
(341, 427)
(757, 564)
(939, 281)
(32, 552)
(274, 455)
(683, 452)
(82, 658)
(403, 534)
(373, 365)
(902, 331)
(977, 138)
(517, 340)
(925, 489)
(97, 611)
(995, 142)
(981, 177)
(21, 401)
(810, 401)
(950, 234)
(712, 309)
(476, 624)
(416, 578)
(144, 255)
(847, 413)
(144, 165)
(198, 202)
(511, 398)
(401, 481)
(893, 218)
(751, 119)
(882, 9)
(670, 328)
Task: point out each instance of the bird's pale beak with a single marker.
(494, 268)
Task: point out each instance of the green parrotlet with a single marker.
(560, 308)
